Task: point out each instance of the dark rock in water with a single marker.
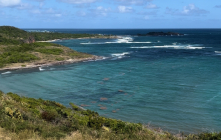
(103, 99)
(103, 108)
(161, 34)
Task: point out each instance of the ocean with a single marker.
(167, 82)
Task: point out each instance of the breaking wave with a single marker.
(8, 72)
(174, 46)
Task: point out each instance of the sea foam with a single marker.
(40, 69)
(117, 41)
(8, 72)
(119, 55)
(174, 46)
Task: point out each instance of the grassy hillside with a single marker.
(29, 118)
(12, 33)
(14, 52)
(36, 53)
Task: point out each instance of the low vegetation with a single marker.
(29, 118)
(49, 119)
(38, 52)
(44, 36)
(17, 48)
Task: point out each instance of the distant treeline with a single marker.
(8, 33)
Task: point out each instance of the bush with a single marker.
(15, 97)
(74, 107)
(60, 59)
(49, 115)
(20, 58)
(75, 54)
(54, 51)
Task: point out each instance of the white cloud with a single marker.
(189, 10)
(151, 6)
(133, 2)
(78, 1)
(100, 11)
(50, 12)
(24, 6)
(8, 3)
(124, 9)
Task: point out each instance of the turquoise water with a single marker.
(169, 82)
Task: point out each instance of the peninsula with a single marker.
(20, 49)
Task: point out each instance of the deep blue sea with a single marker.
(171, 82)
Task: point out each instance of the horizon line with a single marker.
(119, 28)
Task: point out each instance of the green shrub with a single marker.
(96, 122)
(75, 54)
(49, 115)
(54, 51)
(20, 58)
(205, 136)
(1, 64)
(60, 59)
(5, 41)
(1, 93)
(15, 97)
(74, 107)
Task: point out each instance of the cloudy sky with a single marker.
(111, 13)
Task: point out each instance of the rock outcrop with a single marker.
(30, 39)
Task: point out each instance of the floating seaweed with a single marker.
(106, 79)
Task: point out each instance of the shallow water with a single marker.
(170, 82)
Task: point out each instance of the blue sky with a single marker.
(111, 13)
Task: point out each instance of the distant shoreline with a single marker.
(96, 37)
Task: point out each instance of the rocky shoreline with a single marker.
(96, 37)
(37, 65)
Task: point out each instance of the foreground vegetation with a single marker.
(18, 48)
(29, 118)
